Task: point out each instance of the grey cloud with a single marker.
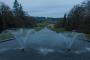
(51, 8)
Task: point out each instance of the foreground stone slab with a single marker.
(34, 55)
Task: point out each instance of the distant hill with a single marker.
(50, 20)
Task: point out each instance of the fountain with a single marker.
(21, 36)
(48, 41)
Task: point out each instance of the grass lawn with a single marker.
(51, 26)
(58, 29)
(38, 28)
(88, 37)
(4, 36)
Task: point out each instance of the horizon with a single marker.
(45, 8)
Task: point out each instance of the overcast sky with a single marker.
(47, 8)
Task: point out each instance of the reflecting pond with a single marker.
(46, 41)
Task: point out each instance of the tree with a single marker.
(6, 16)
(21, 19)
(64, 20)
(74, 17)
(18, 10)
(86, 20)
(19, 14)
(79, 18)
(16, 7)
(1, 23)
(15, 18)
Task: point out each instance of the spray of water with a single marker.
(47, 40)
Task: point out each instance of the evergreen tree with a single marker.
(75, 16)
(6, 16)
(64, 20)
(1, 23)
(18, 10)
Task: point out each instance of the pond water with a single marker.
(46, 40)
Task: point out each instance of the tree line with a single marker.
(15, 17)
(78, 19)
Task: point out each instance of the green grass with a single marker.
(58, 30)
(38, 28)
(50, 26)
(87, 36)
(43, 24)
(5, 36)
